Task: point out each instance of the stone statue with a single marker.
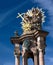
(32, 19)
(26, 44)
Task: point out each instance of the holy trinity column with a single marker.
(33, 38)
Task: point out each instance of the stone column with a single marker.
(35, 52)
(41, 57)
(41, 47)
(17, 60)
(17, 54)
(35, 58)
(24, 58)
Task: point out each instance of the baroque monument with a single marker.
(33, 38)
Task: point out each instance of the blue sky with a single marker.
(9, 24)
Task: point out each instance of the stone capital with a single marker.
(41, 50)
(17, 56)
(34, 50)
(16, 52)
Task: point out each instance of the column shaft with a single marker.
(35, 59)
(24, 59)
(41, 58)
(17, 60)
